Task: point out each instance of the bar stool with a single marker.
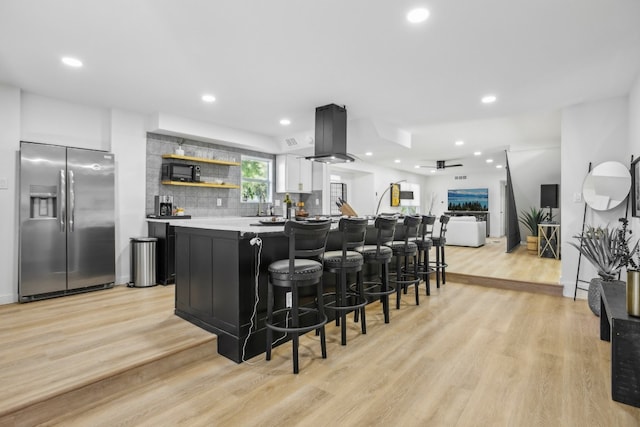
(380, 255)
(439, 265)
(425, 242)
(406, 248)
(303, 268)
(342, 262)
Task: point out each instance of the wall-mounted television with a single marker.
(471, 199)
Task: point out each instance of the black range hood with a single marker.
(331, 135)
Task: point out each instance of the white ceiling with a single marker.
(265, 60)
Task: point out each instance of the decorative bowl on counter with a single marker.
(273, 221)
(318, 219)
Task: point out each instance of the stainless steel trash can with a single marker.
(143, 261)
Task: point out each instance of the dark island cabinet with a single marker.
(165, 251)
(215, 273)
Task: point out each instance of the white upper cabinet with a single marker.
(293, 174)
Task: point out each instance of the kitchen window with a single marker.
(337, 191)
(257, 185)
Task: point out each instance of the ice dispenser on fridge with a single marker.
(43, 201)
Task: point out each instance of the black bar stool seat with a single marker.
(304, 270)
(333, 259)
(399, 247)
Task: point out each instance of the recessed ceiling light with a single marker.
(418, 15)
(433, 171)
(417, 166)
(489, 99)
(397, 160)
(459, 142)
(477, 153)
(489, 160)
(208, 98)
(368, 153)
(499, 166)
(285, 122)
(72, 62)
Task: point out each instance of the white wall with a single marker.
(368, 182)
(180, 126)
(530, 169)
(128, 143)
(440, 184)
(52, 121)
(9, 146)
(591, 132)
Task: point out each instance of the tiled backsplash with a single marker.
(202, 201)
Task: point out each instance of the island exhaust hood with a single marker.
(331, 135)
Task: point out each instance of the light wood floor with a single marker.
(491, 260)
(467, 356)
(54, 346)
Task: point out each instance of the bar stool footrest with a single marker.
(298, 329)
(438, 264)
(358, 302)
(421, 269)
(368, 286)
(393, 279)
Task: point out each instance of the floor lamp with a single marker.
(386, 191)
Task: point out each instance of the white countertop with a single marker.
(242, 225)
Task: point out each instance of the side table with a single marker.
(549, 240)
(624, 333)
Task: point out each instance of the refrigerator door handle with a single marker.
(72, 201)
(62, 214)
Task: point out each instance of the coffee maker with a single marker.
(163, 205)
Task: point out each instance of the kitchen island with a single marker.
(219, 273)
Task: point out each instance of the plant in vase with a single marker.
(530, 219)
(631, 260)
(603, 248)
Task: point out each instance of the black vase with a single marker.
(593, 296)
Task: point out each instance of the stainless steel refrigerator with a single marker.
(67, 220)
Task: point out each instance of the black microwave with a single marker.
(180, 172)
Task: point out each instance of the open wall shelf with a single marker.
(200, 159)
(200, 184)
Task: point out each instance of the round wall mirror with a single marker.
(606, 186)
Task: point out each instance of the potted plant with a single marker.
(631, 261)
(530, 219)
(603, 248)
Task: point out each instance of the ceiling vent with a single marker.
(291, 142)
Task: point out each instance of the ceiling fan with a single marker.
(441, 164)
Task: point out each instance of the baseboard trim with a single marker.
(8, 299)
(515, 285)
